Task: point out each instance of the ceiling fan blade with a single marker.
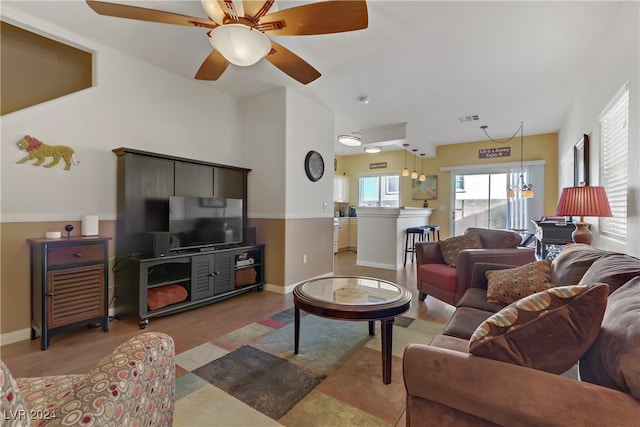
(144, 14)
(325, 17)
(291, 64)
(212, 67)
(256, 9)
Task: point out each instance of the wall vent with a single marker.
(471, 118)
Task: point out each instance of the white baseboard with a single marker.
(378, 265)
(15, 336)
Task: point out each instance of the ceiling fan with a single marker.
(239, 29)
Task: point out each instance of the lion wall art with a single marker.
(39, 150)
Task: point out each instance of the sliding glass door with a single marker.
(480, 200)
(479, 197)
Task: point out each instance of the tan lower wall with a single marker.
(271, 232)
(15, 267)
(287, 241)
(313, 238)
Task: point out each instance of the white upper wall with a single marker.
(280, 128)
(615, 62)
(264, 149)
(131, 105)
(309, 127)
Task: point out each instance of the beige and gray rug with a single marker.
(252, 378)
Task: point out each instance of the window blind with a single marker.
(614, 130)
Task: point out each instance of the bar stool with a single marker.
(433, 229)
(412, 235)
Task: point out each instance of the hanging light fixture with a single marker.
(405, 171)
(422, 176)
(372, 149)
(353, 140)
(524, 190)
(414, 174)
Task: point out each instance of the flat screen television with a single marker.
(201, 222)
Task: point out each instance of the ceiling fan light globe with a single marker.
(239, 44)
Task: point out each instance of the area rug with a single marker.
(251, 377)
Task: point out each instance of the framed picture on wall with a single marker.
(581, 161)
(425, 190)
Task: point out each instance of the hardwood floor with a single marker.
(78, 350)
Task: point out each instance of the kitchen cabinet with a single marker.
(343, 234)
(353, 233)
(341, 189)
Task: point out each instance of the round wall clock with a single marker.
(314, 165)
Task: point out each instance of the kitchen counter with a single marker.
(381, 234)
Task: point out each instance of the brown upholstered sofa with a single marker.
(448, 386)
(446, 283)
(133, 386)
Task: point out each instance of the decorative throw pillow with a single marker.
(162, 296)
(451, 247)
(549, 330)
(510, 285)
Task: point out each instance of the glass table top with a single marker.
(352, 290)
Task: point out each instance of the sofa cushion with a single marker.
(496, 239)
(439, 275)
(477, 298)
(450, 343)
(572, 263)
(451, 247)
(510, 285)
(465, 321)
(614, 359)
(549, 330)
(615, 270)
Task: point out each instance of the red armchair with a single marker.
(437, 278)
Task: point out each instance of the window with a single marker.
(614, 131)
(379, 190)
(459, 183)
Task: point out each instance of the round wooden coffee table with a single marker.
(354, 298)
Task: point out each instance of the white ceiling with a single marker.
(423, 63)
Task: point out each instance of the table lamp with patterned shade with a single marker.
(583, 201)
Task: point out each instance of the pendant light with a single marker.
(524, 190)
(414, 174)
(405, 171)
(422, 176)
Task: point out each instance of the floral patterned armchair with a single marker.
(134, 385)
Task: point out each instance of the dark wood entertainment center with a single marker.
(146, 181)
